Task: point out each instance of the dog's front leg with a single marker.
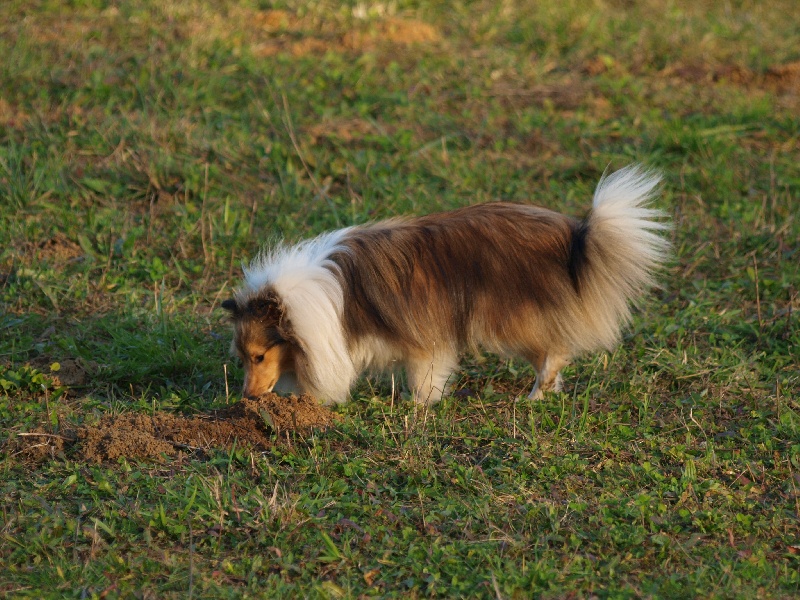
(428, 374)
(548, 375)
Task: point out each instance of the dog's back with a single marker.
(464, 278)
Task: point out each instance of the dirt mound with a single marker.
(69, 372)
(39, 445)
(292, 413)
(785, 77)
(11, 115)
(780, 78)
(404, 32)
(252, 423)
(58, 249)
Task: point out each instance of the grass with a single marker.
(147, 148)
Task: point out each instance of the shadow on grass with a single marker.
(126, 358)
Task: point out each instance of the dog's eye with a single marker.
(258, 359)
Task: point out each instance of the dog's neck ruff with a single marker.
(304, 278)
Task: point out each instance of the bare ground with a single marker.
(255, 423)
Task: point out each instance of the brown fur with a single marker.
(449, 276)
(482, 276)
(263, 342)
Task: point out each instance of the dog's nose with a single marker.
(249, 394)
(254, 394)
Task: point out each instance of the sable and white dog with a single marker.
(512, 279)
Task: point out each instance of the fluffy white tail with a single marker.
(621, 250)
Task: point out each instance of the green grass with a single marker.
(148, 148)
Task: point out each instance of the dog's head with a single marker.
(262, 339)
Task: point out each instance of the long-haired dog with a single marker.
(512, 279)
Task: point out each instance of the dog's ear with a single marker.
(270, 311)
(266, 307)
(231, 306)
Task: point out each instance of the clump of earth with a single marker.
(250, 422)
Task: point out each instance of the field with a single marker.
(148, 148)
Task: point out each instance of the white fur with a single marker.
(621, 203)
(624, 251)
(313, 301)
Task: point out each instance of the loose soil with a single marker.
(58, 249)
(69, 372)
(257, 424)
(780, 78)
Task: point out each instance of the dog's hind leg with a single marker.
(548, 375)
(428, 374)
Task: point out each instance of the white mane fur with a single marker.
(313, 299)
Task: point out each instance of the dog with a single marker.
(514, 279)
